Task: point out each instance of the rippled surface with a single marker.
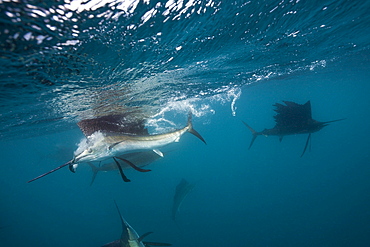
(229, 61)
(65, 61)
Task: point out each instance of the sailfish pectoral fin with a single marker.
(94, 170)
(148, 244)
(121, 171)
(133, 166)
(157, 151)
(334, 120)
(143, 236)
(305, 147)
(114, 144)
(116, 243)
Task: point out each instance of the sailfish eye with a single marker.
(89, 150)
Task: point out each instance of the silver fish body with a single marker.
(109, 146)
(102, 145)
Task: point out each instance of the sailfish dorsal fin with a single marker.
(292, 114)
(123, 124)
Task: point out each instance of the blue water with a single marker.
(228, 61)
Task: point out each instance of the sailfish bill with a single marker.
(51, 171)
(292, 119)
(113, 136)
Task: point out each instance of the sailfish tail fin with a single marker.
(254, 133)
(192, 130)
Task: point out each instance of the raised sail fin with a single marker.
(126, 123)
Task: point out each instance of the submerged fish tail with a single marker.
(254, 133)
(192, 130)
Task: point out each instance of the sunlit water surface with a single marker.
(226, 61)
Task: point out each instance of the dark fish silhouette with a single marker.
(292, 119)
(130, 238)
(113, 136)
(182, 190)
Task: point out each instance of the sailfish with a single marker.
(130, 238)
(292, 119)
(112, 136)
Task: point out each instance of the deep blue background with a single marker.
(198, 54)
(266, 196)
